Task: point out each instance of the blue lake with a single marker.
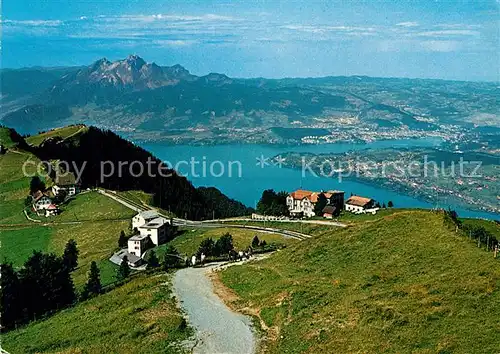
(237, 172)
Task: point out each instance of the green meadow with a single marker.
(137, 317)
(404, 283)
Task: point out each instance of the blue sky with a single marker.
(426, 39)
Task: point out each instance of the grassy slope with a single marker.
(96, 239)
(189, 242)
(63, 132)
(139, 197)
(401, 284)
(138, 317)
(312, 229)
(14, 185)
(489, 225)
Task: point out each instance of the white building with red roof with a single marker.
(302, 202)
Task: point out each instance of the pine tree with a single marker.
(122, 240)
(153, 261)
(93, 286)
(390, 204)
(207, 247)
(171, 259)
(10, 305)
(70, 255)
(46, 284)
(320, 204)
(124, 270)
(36, 184)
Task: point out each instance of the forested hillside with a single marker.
(105, 160)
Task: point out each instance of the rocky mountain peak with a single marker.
(135, 61)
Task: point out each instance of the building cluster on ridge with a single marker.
(303, 202)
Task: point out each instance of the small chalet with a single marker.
(143, 218)
(329, 211)
(65, 182)
(359, 205)
(152, 230)
(51, 210)
(133, 260)
(138, 244)
(41, 201)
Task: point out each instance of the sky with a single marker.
(456, 40)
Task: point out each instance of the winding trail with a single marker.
(218, 329)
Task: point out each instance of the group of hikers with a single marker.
(233, 256)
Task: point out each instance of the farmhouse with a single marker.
(65, 182)
(133, 260)
(41, 201)
(51, 210)
(143, 218)
(359, 205)
(157, 229)
(329, 211)
(138, 244)
(151, 230)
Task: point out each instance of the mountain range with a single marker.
(168, 102)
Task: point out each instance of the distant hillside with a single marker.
(97, 150)
(131, 93)
(404, 283)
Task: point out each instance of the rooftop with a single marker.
(358, 201)
(65, 179)
(155, 223)
(38, 195)
(300, 194)
(149, 214)
(329, 209)
(336, 192)
(138, 237)
(118, 257)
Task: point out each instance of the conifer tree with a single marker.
(93, 286)
(70, 255)
(124, 270)
(10, 305)
(153, 261)
(122, 240)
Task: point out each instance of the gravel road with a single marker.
(218, 329)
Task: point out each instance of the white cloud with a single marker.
(446, 33)
(170, 17)
(407, 24)
(33, 23)
(322, 29)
